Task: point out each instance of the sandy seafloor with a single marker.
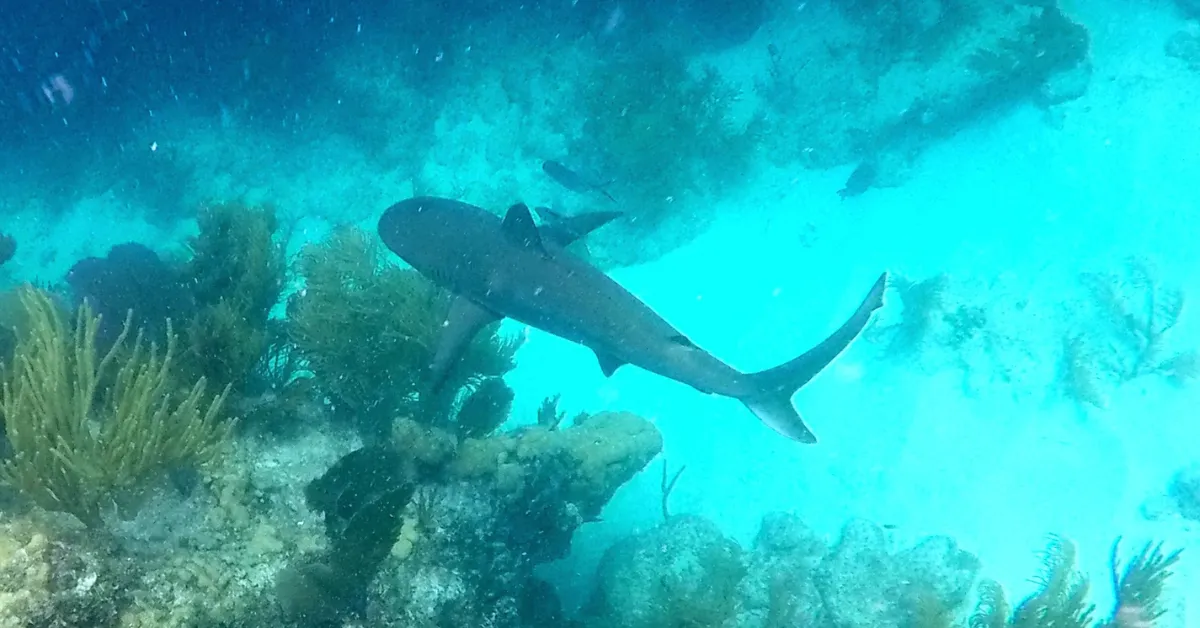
(1014, 209)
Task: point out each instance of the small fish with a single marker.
(861, 180)
(8, 248)
(573, 180)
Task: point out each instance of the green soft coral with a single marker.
(1139, 586)
(86, 427)
(1061, 598)
(236, 275)
(368, 330)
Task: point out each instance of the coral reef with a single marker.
(66, 581)
(1185, 46)
(13, 322)
(87, 427)
(1189, 7)
(664, 136)
(1131, 320)
(189, 558)
(1118, 331)
(686, 573)
(1061, 598)
(970, 327)
(1185, 491)
(696, 585)
(1181, 498)
(923, 306)
(367, 330)
(879, 82)
(220, 298)
(497, 508)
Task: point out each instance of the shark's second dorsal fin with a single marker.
(521, 230)
(563, 230)
(680, 339)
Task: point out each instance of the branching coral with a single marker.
(85, 427)
(1143, 312)
(368, 331)
(924, 305)
(1061, 596)
(1140, 313)
(1076, 377)
(1061, 599)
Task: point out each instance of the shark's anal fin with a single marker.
(521, 230)
(465, 320)
(608, 364)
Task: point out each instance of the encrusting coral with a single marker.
(84, 426)
(492, 509)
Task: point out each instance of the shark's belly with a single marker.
(629, 334)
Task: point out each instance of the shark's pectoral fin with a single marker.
(464, 320)
(563, 230)
(522, 231)
(608, 364)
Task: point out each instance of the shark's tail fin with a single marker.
(772, 403)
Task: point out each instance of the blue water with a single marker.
(118, 118)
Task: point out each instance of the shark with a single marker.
(513, 267)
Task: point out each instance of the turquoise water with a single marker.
(978, 440)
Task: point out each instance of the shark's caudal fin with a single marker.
(772, 404)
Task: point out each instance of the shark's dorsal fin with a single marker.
(563, 230)
(521, 230)
(608, 364)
